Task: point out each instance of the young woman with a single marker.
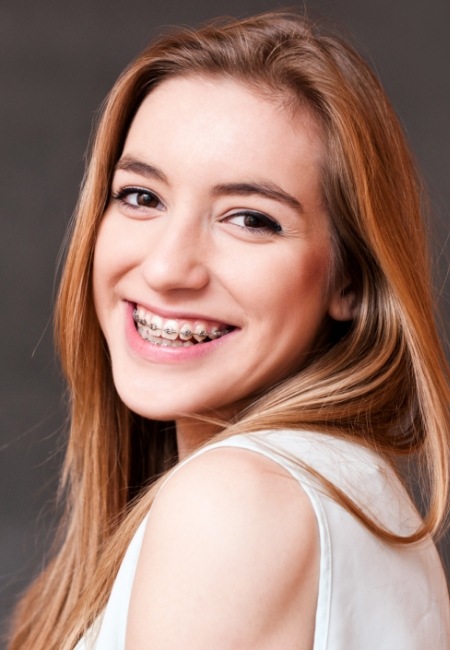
(246, 325)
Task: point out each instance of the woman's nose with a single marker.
(176, 258)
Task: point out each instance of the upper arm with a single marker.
(229, 559)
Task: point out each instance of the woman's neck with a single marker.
(192, 433)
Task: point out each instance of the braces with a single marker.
(186, 333)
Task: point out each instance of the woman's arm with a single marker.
(230, 559)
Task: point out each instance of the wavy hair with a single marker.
(381, 381)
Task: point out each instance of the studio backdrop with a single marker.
(57, 62)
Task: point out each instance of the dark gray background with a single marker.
(57, 61)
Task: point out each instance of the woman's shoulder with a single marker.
(231, 535)
(229, 478)
(226, 482)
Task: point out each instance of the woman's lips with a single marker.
(147, 347)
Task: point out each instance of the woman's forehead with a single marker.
(208, 132)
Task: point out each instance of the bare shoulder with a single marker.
(231, 553)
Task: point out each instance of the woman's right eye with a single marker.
(137, 198)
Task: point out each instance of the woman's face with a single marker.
(211, 270)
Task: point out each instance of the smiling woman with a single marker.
(249, 346)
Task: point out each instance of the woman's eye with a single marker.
(135, 197)
(255, 222)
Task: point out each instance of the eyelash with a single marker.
(122, 195)
(269, 225)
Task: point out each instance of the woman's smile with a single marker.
(166, 339)
(177, 332)
(213, 264)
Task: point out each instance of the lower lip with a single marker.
(165, 353)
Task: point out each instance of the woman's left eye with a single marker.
(255, 222)
(136, 198)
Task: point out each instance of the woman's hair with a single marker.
(380, 381)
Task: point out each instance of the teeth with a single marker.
(170, 330)
(200, 332)
(139, 316)
(156, 325)
(146, 334)
(185, 332)
(160, 331)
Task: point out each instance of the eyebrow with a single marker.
(267, 190)
(130, 164)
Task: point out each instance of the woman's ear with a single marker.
(343, 305)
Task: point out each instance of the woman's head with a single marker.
(216, 224)
(369, 192)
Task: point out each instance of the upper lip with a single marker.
(178, 315)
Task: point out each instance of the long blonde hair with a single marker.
(381, 381)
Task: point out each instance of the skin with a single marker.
(230, 559)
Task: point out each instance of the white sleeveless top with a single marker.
(372, 596)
